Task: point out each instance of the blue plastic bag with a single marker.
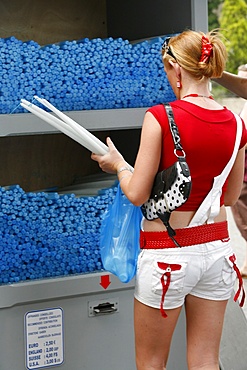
(119, 237)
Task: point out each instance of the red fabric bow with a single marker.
(207, 48)
(240, 281)
(166, 282)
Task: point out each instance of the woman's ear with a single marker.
(170, 61)
(176, 67)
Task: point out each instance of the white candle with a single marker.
(85, 141)
(78, 128)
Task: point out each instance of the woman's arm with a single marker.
(243, 114)
(136, 186)
(234, 83)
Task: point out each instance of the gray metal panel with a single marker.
(101, 342)
(199, 15)
(93, 120)
(54, 288)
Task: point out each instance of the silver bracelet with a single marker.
(124, 169)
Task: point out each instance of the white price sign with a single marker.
(44, 338)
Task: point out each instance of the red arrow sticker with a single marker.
(105, 281)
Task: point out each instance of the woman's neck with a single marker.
(195, 95)
(190, 86)
(205, 100)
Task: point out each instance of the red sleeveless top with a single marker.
(207, 137)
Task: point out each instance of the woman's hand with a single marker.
(111, 161)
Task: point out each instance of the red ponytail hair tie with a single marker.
(207, 48)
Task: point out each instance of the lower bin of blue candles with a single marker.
(51, 234)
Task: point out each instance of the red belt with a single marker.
(185, 237)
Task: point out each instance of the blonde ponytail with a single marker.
(202, 55)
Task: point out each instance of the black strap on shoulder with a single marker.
(173, 127)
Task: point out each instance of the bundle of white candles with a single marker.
(66, 125)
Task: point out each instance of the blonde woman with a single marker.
(201, 274)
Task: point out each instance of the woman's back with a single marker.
(208, 138)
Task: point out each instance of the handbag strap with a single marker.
(174, 129)
(178, 147)
(210, 206)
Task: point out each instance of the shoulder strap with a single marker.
(210, 206)
(173, 127)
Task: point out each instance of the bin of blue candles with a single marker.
(47, 234)
(84, 74)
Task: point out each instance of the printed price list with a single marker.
(44, 338)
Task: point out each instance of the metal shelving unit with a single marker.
(109, 119)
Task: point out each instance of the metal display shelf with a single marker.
(93, 120)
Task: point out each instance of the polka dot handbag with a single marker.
(172, 186)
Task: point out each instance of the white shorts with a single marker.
(203, 271)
